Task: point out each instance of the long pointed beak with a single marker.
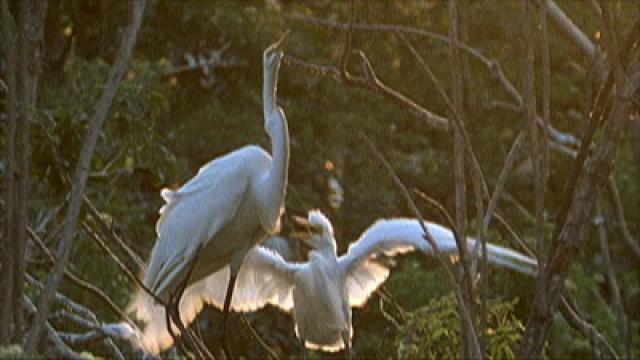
(306, 231)
(278, 44)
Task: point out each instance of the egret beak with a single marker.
(278, 44)
(307, 231)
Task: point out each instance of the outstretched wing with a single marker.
(363, 274)
(198, 210)
(264, 278)
(395, 236)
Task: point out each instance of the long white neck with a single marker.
(279, 132)
(328, 246)
(269, 88)
(275, 183)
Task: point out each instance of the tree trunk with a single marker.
(576, 227)
(32, 20)
(8, 44)
(80, 176)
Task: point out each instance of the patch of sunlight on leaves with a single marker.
(432, 331)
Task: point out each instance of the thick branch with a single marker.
(8, 44)
(569, 29)
(29, 55)
(574, 230)
(543, 167)
(81, 173)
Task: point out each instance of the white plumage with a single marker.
(321, 291)
(211, 222)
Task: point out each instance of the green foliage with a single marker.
(433, 331)
(13, 352)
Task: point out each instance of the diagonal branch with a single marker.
(81, 174)
(465, 312)
(563, 140)
(613, 197)
(574, 228)
(568, 28)
(97, 292)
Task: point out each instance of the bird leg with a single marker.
(169, 319)
(346, 338)
(173, 310)
(225, 314)
(303, 353)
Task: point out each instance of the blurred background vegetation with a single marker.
(166, 122)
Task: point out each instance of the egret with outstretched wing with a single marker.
(321, 291)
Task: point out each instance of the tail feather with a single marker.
(511, 259)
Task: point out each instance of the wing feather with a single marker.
(264, 278)
(396, 236)
(194, 213)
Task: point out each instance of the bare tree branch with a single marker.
(610, 275)
(81, 173)
(569, 29)
(84, 317)
(465, 312)
(264, 345)
(61, 348)
(8, 45)
(543, 166)
(570, 238)
(492, 65)
(95, 215)
(468, 333)
(97, 292)
(598, 342)
(634, 139)
(613, 196)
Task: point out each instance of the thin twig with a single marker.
(465, 313)
(562, 139)
(262, 343)
(543, 168)
(120, 264)
(96, 216)
(78, 281)
(610, 274)
(617, 210)
(60, 347)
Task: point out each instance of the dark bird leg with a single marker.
(346, 338)
(173, 309)
(169, 319)
(225, 314)
(303, 353)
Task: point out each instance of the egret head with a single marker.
(271, 63)
(273, 55)
(319, 231)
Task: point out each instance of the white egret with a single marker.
(212, 221)
(321, 291)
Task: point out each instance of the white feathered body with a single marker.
(321, 308)
(321, 291)
(214, 211)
